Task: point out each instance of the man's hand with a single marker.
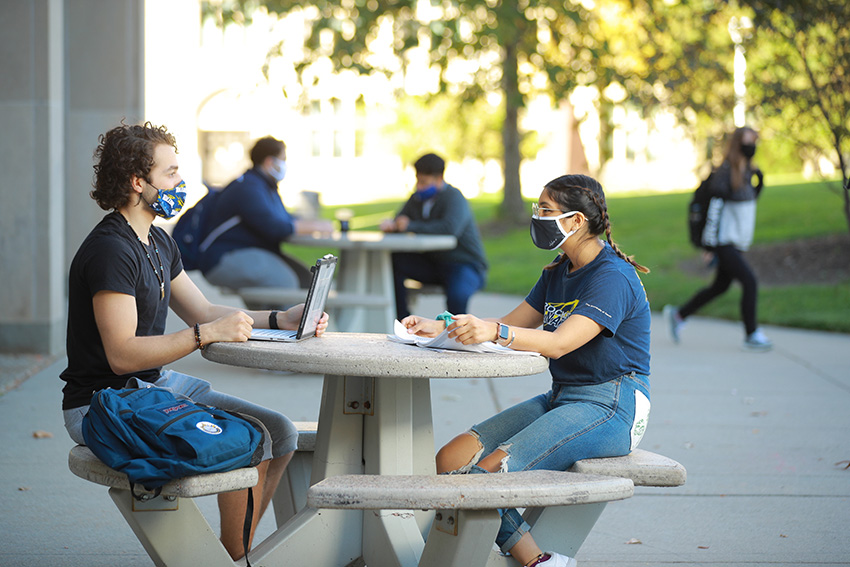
(291, 318)
(233, 328)
(401, 223)
(398, 224)
(310, 226)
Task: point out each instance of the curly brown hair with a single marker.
(123, 152)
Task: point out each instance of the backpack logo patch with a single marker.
(173, 409)
(208, 427)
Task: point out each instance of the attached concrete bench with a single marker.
(173, 531)
(170, 527)
(643, 467)
(85, 465)
(561, 507)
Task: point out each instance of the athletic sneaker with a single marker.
(557, 560)
(674, 322)
(757, 341)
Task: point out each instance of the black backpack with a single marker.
(192, 232)
(698, 211)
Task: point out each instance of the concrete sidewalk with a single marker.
(760, 435)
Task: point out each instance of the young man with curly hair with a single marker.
(125, 276)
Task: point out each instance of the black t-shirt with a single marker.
(111, 258)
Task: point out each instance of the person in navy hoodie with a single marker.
(248, 253)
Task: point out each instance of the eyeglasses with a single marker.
(537, 210)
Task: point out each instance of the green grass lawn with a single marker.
(653, 229)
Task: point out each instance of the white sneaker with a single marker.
(757, 341)
(557, 560)
(674, 322)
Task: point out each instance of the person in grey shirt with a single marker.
(438, 208)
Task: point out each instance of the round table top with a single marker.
(371, 355)
(377, 240)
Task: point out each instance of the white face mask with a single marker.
(547, 232)
(278, 169)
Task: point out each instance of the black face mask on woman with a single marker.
(547, 233)
(749, 150)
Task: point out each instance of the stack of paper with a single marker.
(442, 341)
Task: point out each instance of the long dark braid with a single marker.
(577, 193)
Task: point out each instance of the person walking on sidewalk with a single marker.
(729, 228)
(123, 279)
(596, 319)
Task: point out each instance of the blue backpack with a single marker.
(192, 232)
(154, 437)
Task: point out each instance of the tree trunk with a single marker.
(846, 188)
(512, 209)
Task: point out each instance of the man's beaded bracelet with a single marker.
(198, 342)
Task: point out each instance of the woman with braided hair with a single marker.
(595, 330)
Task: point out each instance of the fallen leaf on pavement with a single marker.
(39, 434)
(634, 541)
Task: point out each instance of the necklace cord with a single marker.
(160, 276)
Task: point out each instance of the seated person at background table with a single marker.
(249, 254)
(438, 208)
(122, 281)
(595, 318)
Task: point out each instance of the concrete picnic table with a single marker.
(375, 419)
(365, 268)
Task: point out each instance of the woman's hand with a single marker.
(423, 327)
(469, 329)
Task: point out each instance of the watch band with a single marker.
(273, 320)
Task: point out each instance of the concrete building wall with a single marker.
(70, 69)
(104, 50)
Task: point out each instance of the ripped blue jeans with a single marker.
(554, 430)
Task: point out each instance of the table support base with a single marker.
(391, 538)
(179, 537)
(313, 537)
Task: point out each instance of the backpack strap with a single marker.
(249, 519)
(218, 231)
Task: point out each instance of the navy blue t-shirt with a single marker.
(608, 291)
(111, 258)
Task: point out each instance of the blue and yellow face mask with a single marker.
(169, 202)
